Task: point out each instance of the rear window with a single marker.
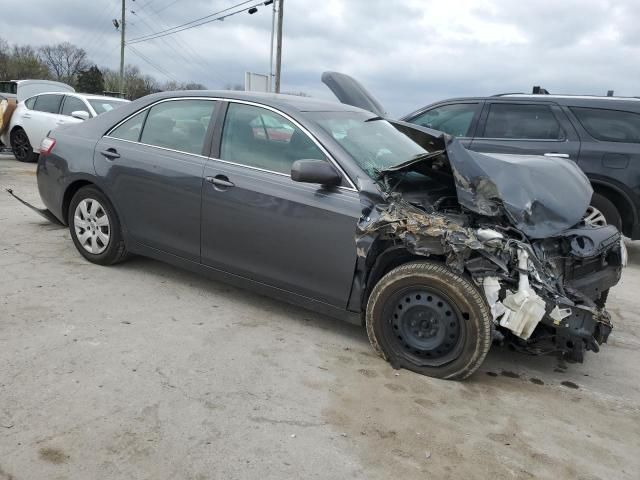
(609, 125)
(9, 87)
(103, 106)
(30, 102)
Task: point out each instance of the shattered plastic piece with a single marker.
(558, 314)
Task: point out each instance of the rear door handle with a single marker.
(110, 153)
(557, 155)
(220, 181)
(26, 116)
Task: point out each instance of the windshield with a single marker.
(373, 143)
(103, 106)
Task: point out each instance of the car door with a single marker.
(458, 119)
(152, 166)
(42, 118)
(259, 224)
(538, 128)
(71, 104)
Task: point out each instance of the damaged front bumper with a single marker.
(545, 295)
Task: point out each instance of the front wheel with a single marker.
(95, 227)
(426, 318)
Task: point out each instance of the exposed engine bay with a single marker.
(544, 268)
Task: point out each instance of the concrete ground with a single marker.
(144, 371)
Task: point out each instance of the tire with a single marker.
(21, 146)
(608, 209)
(426, 318)
(95, 227)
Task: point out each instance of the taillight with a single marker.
(47, 145)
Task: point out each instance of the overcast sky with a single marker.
(408, 53)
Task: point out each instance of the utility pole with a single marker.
(273, 31)
(122, 23)
(279, 45)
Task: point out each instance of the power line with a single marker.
(148, 61)
(166, 6)
(189, 25)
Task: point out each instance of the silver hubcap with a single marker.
(91, 224)
(594, 217)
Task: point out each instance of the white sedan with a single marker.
(35, 117)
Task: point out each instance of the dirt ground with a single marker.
(144, 371)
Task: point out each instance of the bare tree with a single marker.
(20, 62)
(65, 61)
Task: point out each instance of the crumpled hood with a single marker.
(541, 196)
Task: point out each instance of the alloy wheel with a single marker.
(91, 226)
(21, 146)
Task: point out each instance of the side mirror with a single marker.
(81, 115)
(315, 171)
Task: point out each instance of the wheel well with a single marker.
(387, 261)
(69, 193)
(622, 205)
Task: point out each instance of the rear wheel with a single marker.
(95, 227)
(602, 206)
(21, 146)
(424, 317)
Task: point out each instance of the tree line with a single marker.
(70, 64)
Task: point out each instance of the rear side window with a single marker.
(609, 125)
(48, 103)
(178, 125)
(520, 121)
(30, 102)
(73, 104)
(131, 129)
(452, 119)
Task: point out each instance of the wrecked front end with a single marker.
(545, 271)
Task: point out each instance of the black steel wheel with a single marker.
(426, 318)
(21, 146)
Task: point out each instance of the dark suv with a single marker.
(601, 134)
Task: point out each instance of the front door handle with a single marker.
(110, 153)
(557, 155)
(220, 181)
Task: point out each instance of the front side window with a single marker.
(131, 129)
(609, 125)
(48, 103)
(260, 138)
(372, 142)
(178, 124)
(521, 121)
(452, 119)
(73, 104)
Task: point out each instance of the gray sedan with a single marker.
(336, 209)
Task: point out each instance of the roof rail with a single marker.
(508, 93)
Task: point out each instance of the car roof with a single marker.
(276, 100)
